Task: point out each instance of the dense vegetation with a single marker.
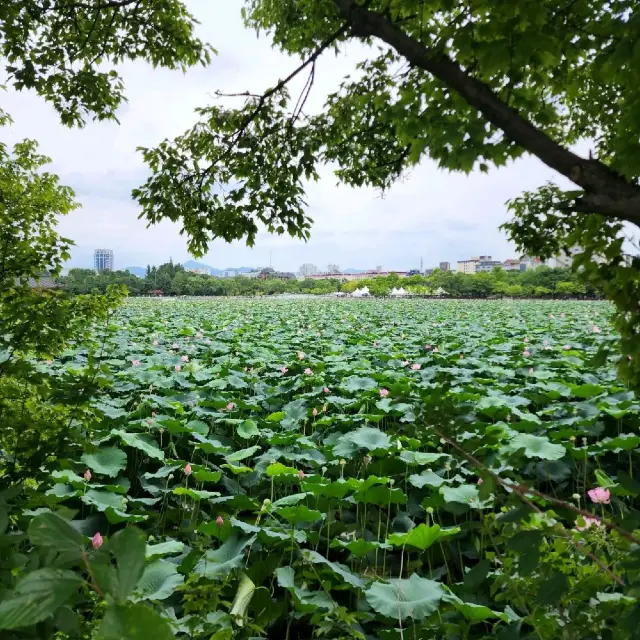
(340, 470)
(172, 279)
(386, 470)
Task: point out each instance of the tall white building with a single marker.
(308, 269)
(103, 260)
(333, 268)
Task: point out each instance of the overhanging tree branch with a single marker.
(606, 192)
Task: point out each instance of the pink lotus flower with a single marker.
(231, 406)
(600, 495)
(427, 347)
(567, 347)
(415, 366)
(366, 460)
(185, 358)
(155, 343)
(174, 345)
(284, 369)
(208, 341)
(531, 371)
(301, 475)
(436, 350)
(178, 367)
(588, 523)
(300, 355)
(526, 354)
(326, 390)
(135, 363)
(545, 342)
(314, 412)
(526, 340)
(49, 362)
(596, 329)
(308, 372)
(87, 475)
(220, 521)
(97, 541)
(187, 469)
(384, 393)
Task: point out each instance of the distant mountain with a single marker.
(136, 271)
(193, 264)
(242, 269)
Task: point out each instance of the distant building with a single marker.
(103, 260)
(467, 266)
(333, 268)
(357, 276)
(203, 271)
(308, 269)
(444, 266)
(230, 273)
(428, 272)
(269, 273)
(487, 265)
(477, 264)
(511, 264)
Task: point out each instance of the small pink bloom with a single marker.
(436, 350)
(153, 414)
(545, 342)
(415, 366)
(566, 347)
(526, 354)
(300, 355)
(97, 541)
(526, 340)
(208, 341)
(220, 521)
(405, 363)
(135, 363)
(178, 367)
(87, 475)
(284, 369)
(326, 390)
(384, 393)
(366, 460)
(231, 406)
(308, 372)
(185, 358)
(596, 329)
(155, 343)
(301, 475)
(198, 335)
(174, 345)
(588, 523)
(427, 347)
(314, 412)
(530, 370)
(49, 362)
(480, 481)
(599, 495)
(187, 469)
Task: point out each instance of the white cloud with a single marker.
(433, 214)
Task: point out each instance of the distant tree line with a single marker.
(171, 279)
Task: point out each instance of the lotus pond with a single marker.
(329, 469)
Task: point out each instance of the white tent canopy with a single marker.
(398, 292)
(359, 293)
(440, 292)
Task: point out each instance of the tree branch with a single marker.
(608, 193)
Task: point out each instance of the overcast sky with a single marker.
(432, 214)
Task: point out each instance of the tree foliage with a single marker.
(67, 50)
